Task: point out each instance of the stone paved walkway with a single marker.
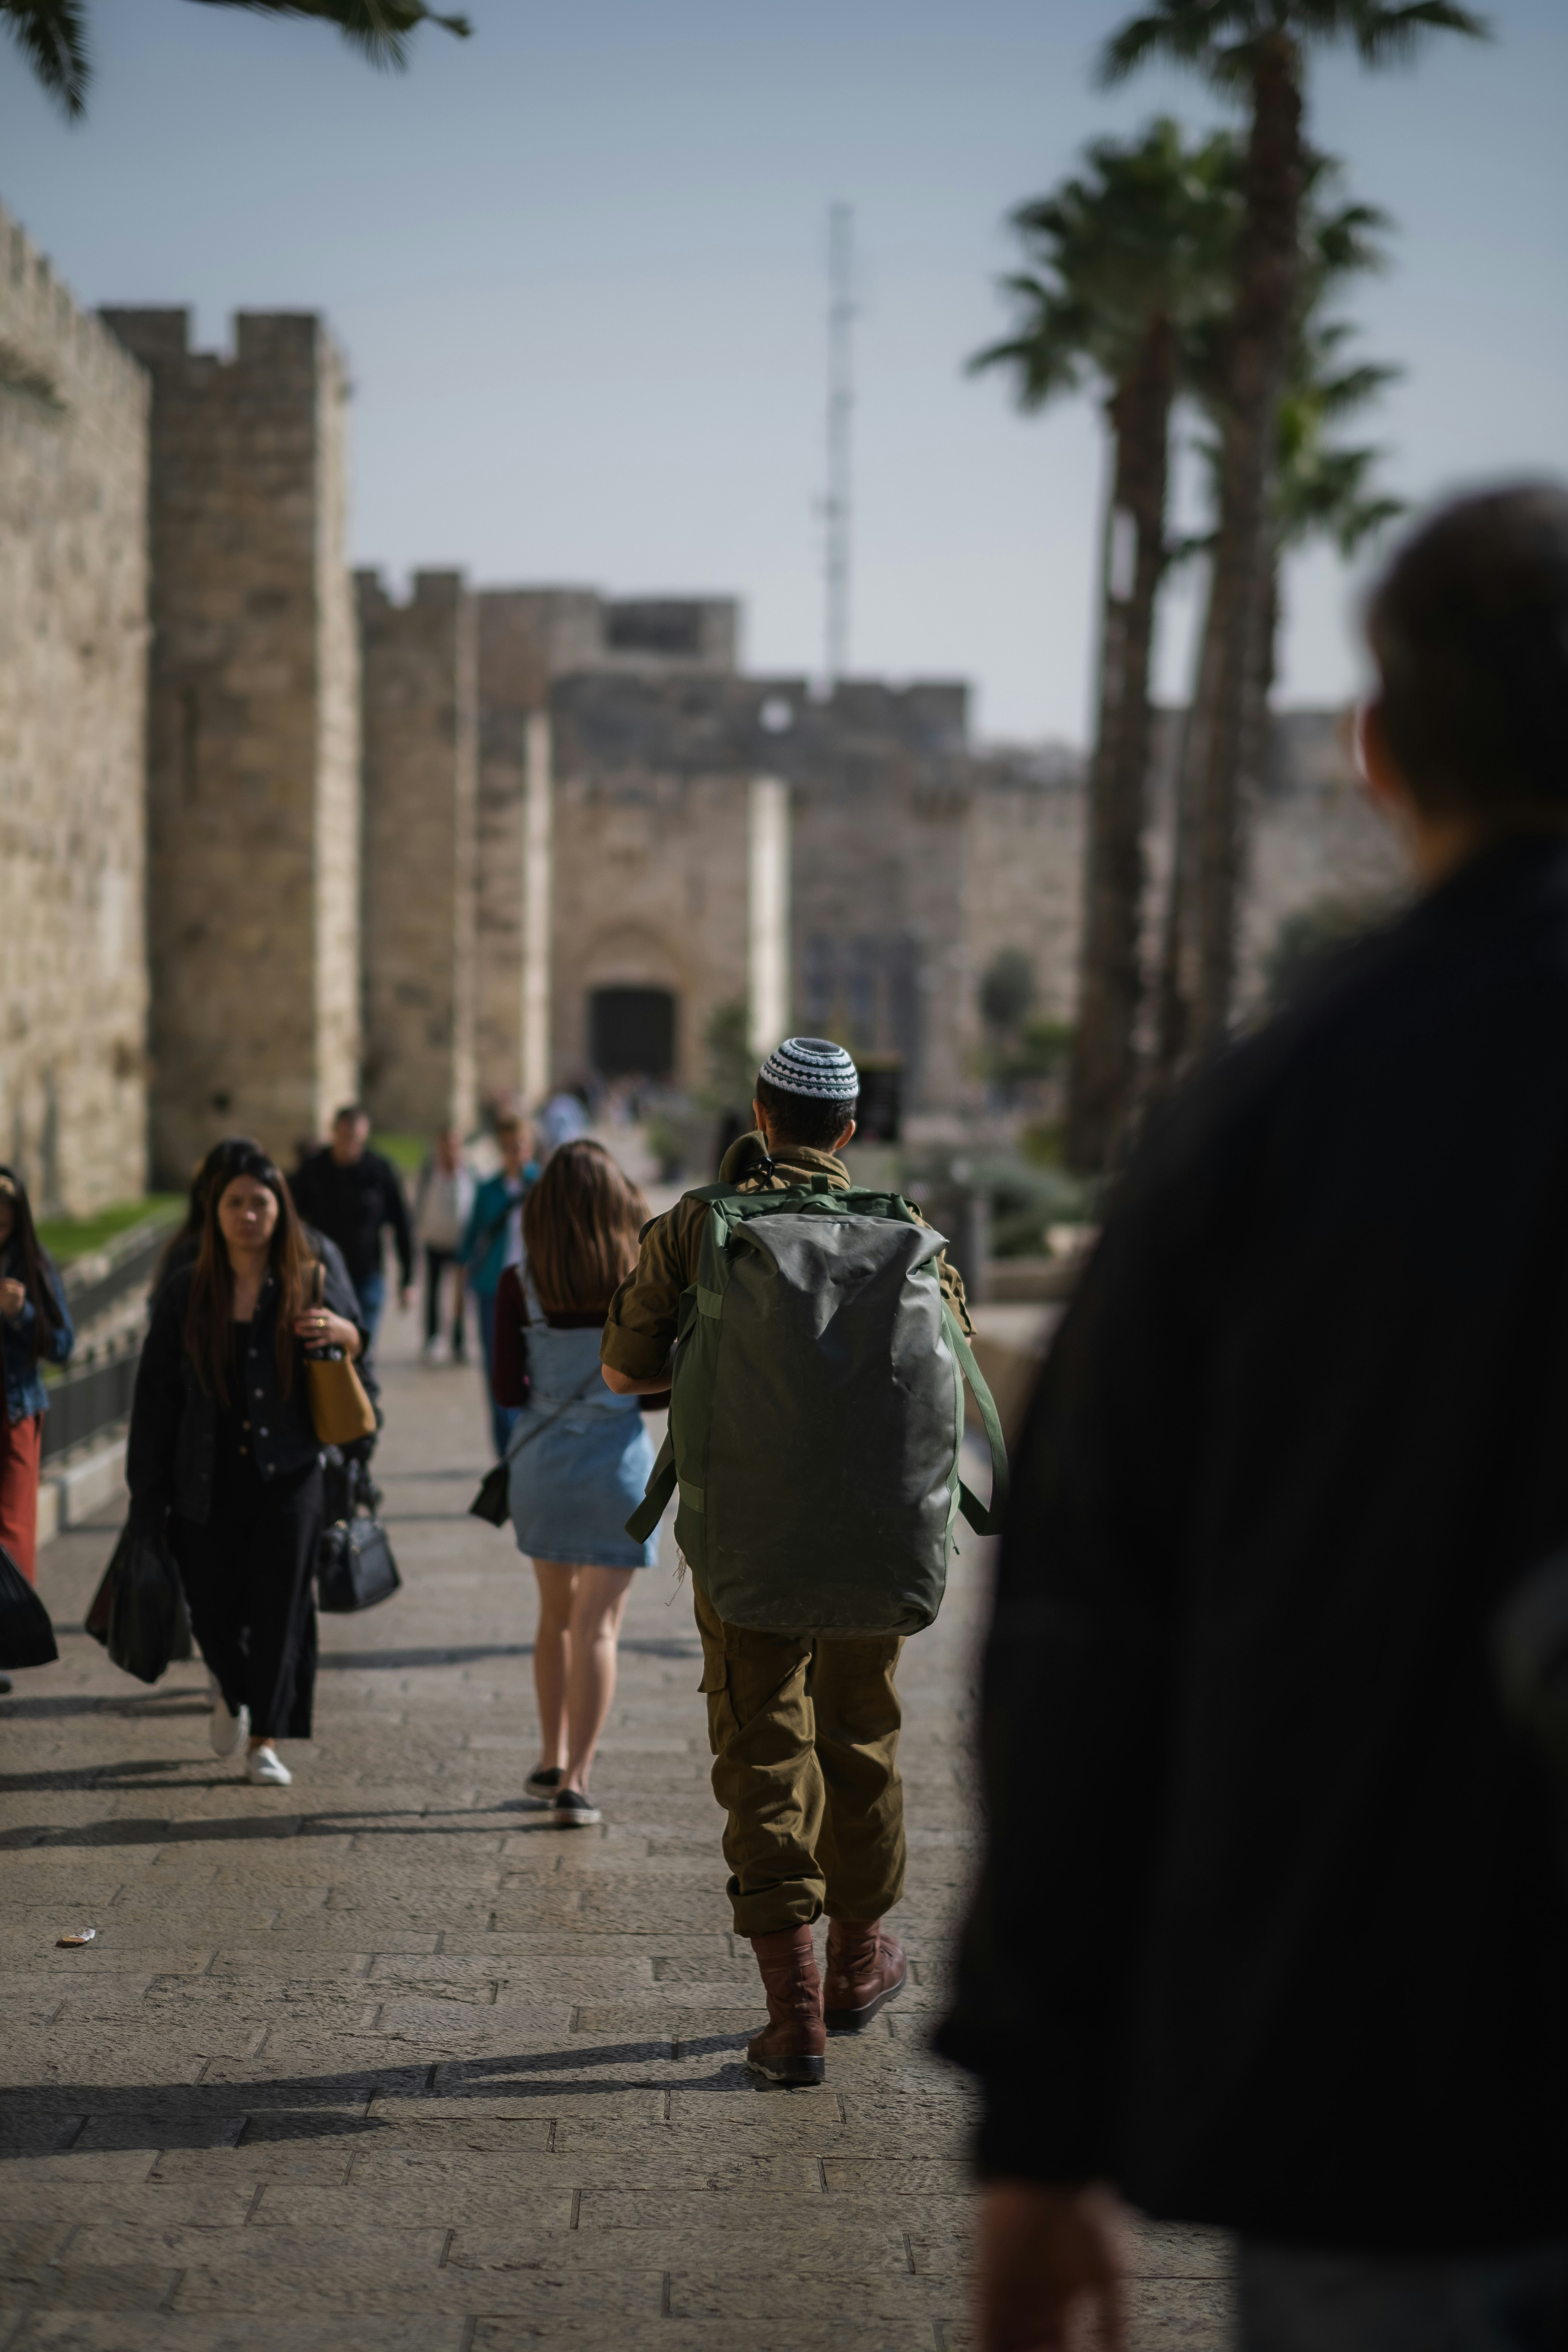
(382, 2063)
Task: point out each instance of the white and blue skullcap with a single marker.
(815, 1067)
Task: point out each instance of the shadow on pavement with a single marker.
(50, 2118)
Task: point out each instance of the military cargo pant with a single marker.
(805, 1734)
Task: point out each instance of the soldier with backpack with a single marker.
(816, 1413)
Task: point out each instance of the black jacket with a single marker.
(350, 1204)
(1273, 1928)
(172, 1444)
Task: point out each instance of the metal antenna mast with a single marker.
(840, 411)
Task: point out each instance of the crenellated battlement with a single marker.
(50, 348)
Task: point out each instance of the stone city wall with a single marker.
(73, 650)
(253, 783)
(420, 679)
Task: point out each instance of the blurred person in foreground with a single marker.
(442, 1200)
(1272, 1933)
(351, 1194)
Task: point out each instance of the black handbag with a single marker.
(139, 1610)
(26, 1636)
(355, 1567)
(493, 1503)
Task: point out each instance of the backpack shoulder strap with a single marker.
(661, 1488)
(985, 1522)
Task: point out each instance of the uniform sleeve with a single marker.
(640, 1329)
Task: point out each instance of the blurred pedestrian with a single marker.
(353, 1196)
(223, 1462)
(1272, 1932)
(35, 1330)
(564, 1119)
(580, 1456)
(442, 1200)
(492, 1240)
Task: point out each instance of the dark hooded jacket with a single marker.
(1273, 1928)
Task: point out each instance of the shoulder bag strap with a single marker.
(985, 1522)
(578, 1393)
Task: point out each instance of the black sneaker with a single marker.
(542, 1783)
(574, 1810)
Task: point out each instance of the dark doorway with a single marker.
(632, 1031)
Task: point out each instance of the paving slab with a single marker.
(385, 2063)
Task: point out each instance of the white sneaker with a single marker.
(227, 1731)
(435, 1351)
(262, 1766)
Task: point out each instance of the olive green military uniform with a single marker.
(805, 1731)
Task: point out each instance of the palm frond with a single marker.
(52, 37)
(379, 29)
(1211, 35)
(1385, 34)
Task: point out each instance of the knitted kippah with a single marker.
(813, 1066)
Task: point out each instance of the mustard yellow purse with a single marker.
(338, 1405)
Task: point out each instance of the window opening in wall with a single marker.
(632, 1031)
(673, 630)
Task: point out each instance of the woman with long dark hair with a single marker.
(35, 1330)
(580, 1457)
(223, 1459)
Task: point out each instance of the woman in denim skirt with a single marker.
(580, 1457)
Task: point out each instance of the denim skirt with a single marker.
(580, 1461)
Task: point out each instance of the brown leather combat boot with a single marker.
(791, 2048)
(865, 1969)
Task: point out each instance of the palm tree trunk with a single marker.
(1178, 984)
(1256, 358)
(1104, 1064)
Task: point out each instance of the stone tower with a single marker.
(73, 653)
(253, 737)
(530, 637)
(420, 681)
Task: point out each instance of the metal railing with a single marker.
(101, 1281)
(94, 1394)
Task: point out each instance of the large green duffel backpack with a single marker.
(817, 1414)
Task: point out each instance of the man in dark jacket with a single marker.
(351, 1194)
(1273, 1928)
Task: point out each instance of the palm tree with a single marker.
(52, 34)
(1129, 258)
(1255, 49)
(1318, 491)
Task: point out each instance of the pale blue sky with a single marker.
(577, 264)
